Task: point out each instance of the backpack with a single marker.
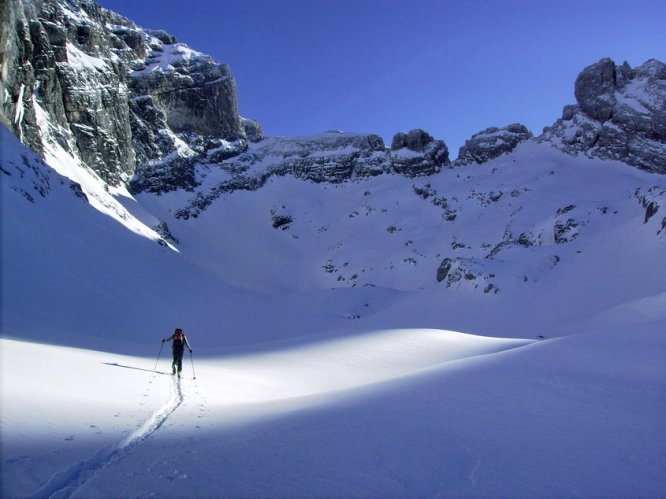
(179, 336)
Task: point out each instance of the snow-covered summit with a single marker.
(117, 105)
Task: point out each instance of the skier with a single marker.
(178, 348)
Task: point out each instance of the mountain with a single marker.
(484, 326)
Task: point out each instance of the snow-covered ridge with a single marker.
(510, 226)
(186, 168)
(330, 157)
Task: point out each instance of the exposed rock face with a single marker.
(60, 69)
(327, 157)
(621, 114)
(652, 200)
(118, 95)
(195, 93)
(332, 157)
(491, 143)
(416, 153)
(595, 90)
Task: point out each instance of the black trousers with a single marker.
(178, 357)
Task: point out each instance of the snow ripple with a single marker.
(67, 482)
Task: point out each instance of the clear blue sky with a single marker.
(450, 67)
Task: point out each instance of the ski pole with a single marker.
(158, 356)
(193, 373)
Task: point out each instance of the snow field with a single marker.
(574, 416)
(86, 406)
(390, 413)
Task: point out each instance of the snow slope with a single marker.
(456, 415)
(326, 354)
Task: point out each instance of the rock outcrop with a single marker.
(416, 153)
(491, 143)
(620, 114)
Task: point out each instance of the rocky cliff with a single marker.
(620, 114)
(118, 95)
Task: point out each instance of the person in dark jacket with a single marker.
(178, 348)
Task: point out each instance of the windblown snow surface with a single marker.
(328, 360)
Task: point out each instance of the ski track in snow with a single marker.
(477, 465)
(67, 482)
